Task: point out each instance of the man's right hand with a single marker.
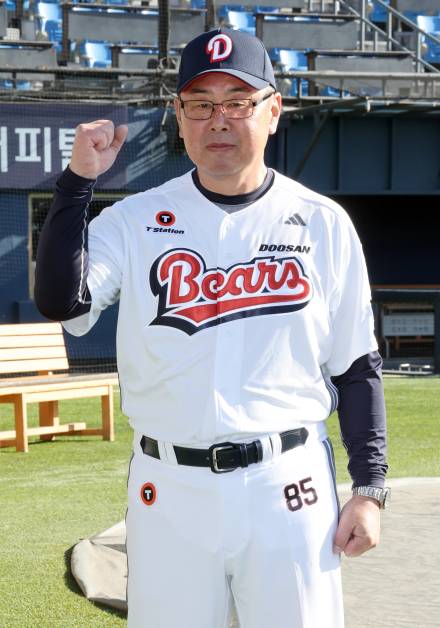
(96, 147)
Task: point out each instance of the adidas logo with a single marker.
(295, 220)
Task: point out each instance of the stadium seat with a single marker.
(413, 15)
(264, 9)
(430, 25)
(242, 21)
(47, 11)
(10, 5)
(378, 13)
(9, 84)
(54, 32)
(236, 17)
(413, 8)
(289, 60)
(95, 54)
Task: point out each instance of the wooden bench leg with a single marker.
(20, 411)
(48, 415)
(108, 428)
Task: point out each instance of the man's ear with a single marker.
(178, 110)
(276, 112)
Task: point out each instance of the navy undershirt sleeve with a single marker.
(61, 291)
(362, 419)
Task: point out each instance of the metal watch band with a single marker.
(380, 494)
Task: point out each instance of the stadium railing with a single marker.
(393, 36)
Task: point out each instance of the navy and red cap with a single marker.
(229, 51)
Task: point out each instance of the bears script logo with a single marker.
(192, 297)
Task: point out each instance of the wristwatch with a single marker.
(382, 495)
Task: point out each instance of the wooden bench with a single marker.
(40, 348)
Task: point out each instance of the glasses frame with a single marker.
(252, 102)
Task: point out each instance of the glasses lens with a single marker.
(238, 108)
(198, 109)
(202, 109)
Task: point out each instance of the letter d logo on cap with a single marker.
(219, 47)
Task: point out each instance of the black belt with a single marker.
(224, 457)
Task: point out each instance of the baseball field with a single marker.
(73, 488)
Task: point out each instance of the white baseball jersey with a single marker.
(229, 324)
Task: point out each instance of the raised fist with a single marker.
(96, 147)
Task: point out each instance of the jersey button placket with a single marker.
(227, 363)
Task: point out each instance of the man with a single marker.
(244, 309)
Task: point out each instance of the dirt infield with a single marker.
(397, 584)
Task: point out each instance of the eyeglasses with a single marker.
(235, 108)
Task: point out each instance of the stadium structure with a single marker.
(361, 118)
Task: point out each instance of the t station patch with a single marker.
(148, 493)
(165, 218)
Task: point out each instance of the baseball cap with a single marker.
(229, 51)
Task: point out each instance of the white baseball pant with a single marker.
(262, 534)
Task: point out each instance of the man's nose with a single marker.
(218, 118)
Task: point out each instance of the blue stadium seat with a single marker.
(413, 15)
(9, 84)
(332, 91)
(45, 11)
(378, 14)
(224, 9)
(263, 9)
(95, 54)
(288, 60)
(10, 5)
(54, 32)
(238, 18)
(430, 24)
(49, 20)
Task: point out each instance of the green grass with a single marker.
(75, 487)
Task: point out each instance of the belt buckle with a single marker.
(213, 457)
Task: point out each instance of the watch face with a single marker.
(386, 497)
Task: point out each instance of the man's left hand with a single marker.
(359, 526)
